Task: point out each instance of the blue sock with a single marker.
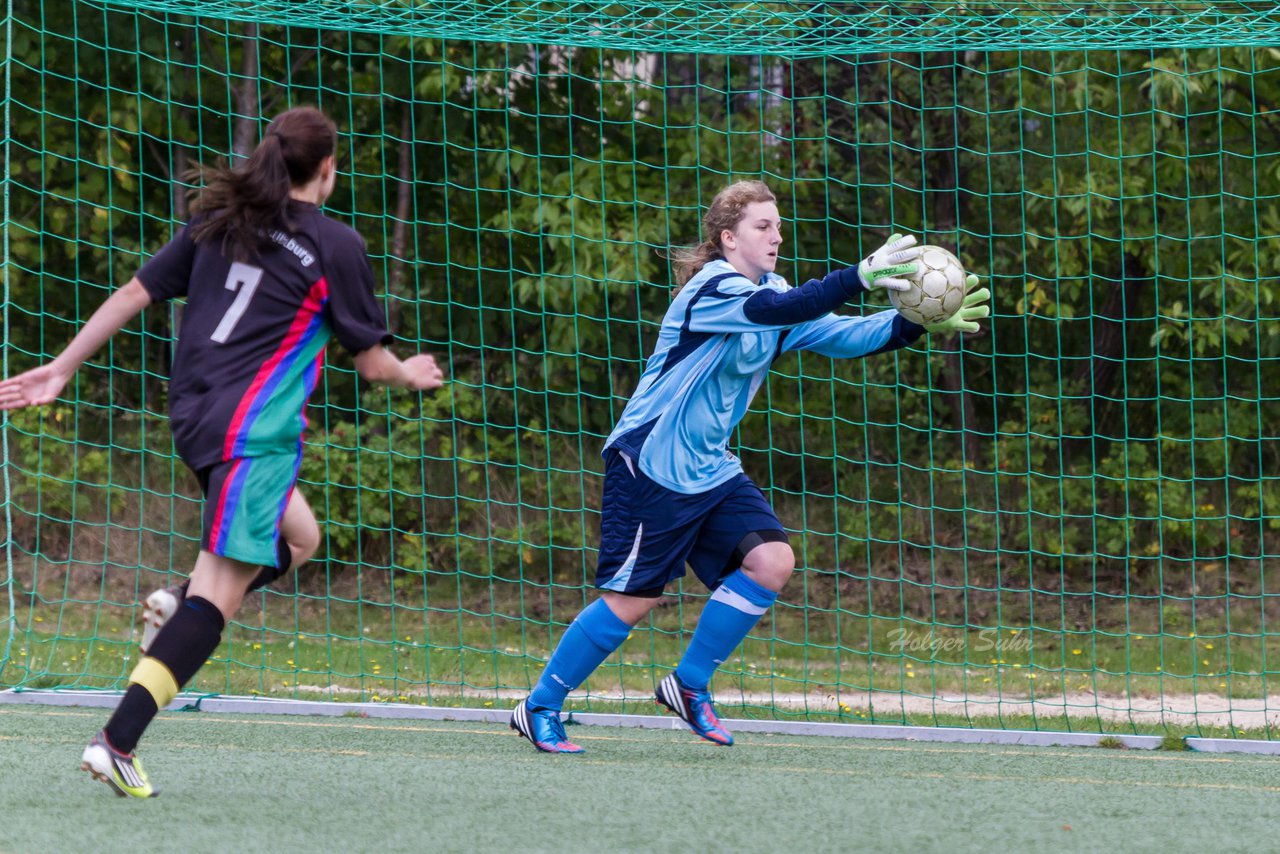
(736, 606)
(590, 639)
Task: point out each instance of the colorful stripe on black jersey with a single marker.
(227, 502)
(307, 324)
(310, 381)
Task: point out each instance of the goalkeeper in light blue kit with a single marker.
(673, 493)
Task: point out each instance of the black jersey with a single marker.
(253, 336)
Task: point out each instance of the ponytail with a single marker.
(688, 260)
(245, 203)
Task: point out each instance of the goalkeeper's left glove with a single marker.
(976, 306)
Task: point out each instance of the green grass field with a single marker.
(249, 783)
(79, 645)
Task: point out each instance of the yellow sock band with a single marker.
(157, 679)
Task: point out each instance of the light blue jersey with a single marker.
(717, 342)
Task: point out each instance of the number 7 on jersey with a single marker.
(243, 278)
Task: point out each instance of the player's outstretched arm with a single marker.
(41, 385)
(976, 306)
(765, 307)
(380, 365)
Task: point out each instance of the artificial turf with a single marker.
(263, 783)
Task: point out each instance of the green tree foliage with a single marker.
(517, 201)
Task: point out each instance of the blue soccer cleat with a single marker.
(694, 708)
(543, 728)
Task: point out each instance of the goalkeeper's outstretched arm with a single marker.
(853, 337)
(738, 305)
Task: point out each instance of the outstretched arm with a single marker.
(731, 303)
(41, 385)
(737, 305)
(380, 365)
(852, 337)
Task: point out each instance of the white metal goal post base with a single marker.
(954, 735)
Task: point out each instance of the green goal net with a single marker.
(1063, 522)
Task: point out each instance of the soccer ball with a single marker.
(937, 288)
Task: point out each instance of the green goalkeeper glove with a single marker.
(976, 305)
(886, 267)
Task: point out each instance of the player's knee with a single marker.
(631, 608)
(304, 542)
(770, 564)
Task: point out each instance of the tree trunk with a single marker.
(398, 259)
(170, 315)
(245, 136)
(940, 167)
(1097, 376)
(177, 186)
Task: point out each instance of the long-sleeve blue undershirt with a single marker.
(717, 341)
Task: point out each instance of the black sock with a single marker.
(178, 651)
(131, 717)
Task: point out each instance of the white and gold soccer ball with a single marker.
(937, 288)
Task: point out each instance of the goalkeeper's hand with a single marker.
(976, 305)
(885, 267)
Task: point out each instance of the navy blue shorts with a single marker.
(649, 532)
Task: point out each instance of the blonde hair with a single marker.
(727, 210)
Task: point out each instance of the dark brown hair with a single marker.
(726, 211)
(246, 202)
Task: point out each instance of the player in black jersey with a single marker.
(268, 280)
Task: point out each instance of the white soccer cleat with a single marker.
(156, 611)
(121, 771)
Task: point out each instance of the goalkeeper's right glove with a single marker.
(885, 267)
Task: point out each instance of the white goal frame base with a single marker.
(953, 735)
